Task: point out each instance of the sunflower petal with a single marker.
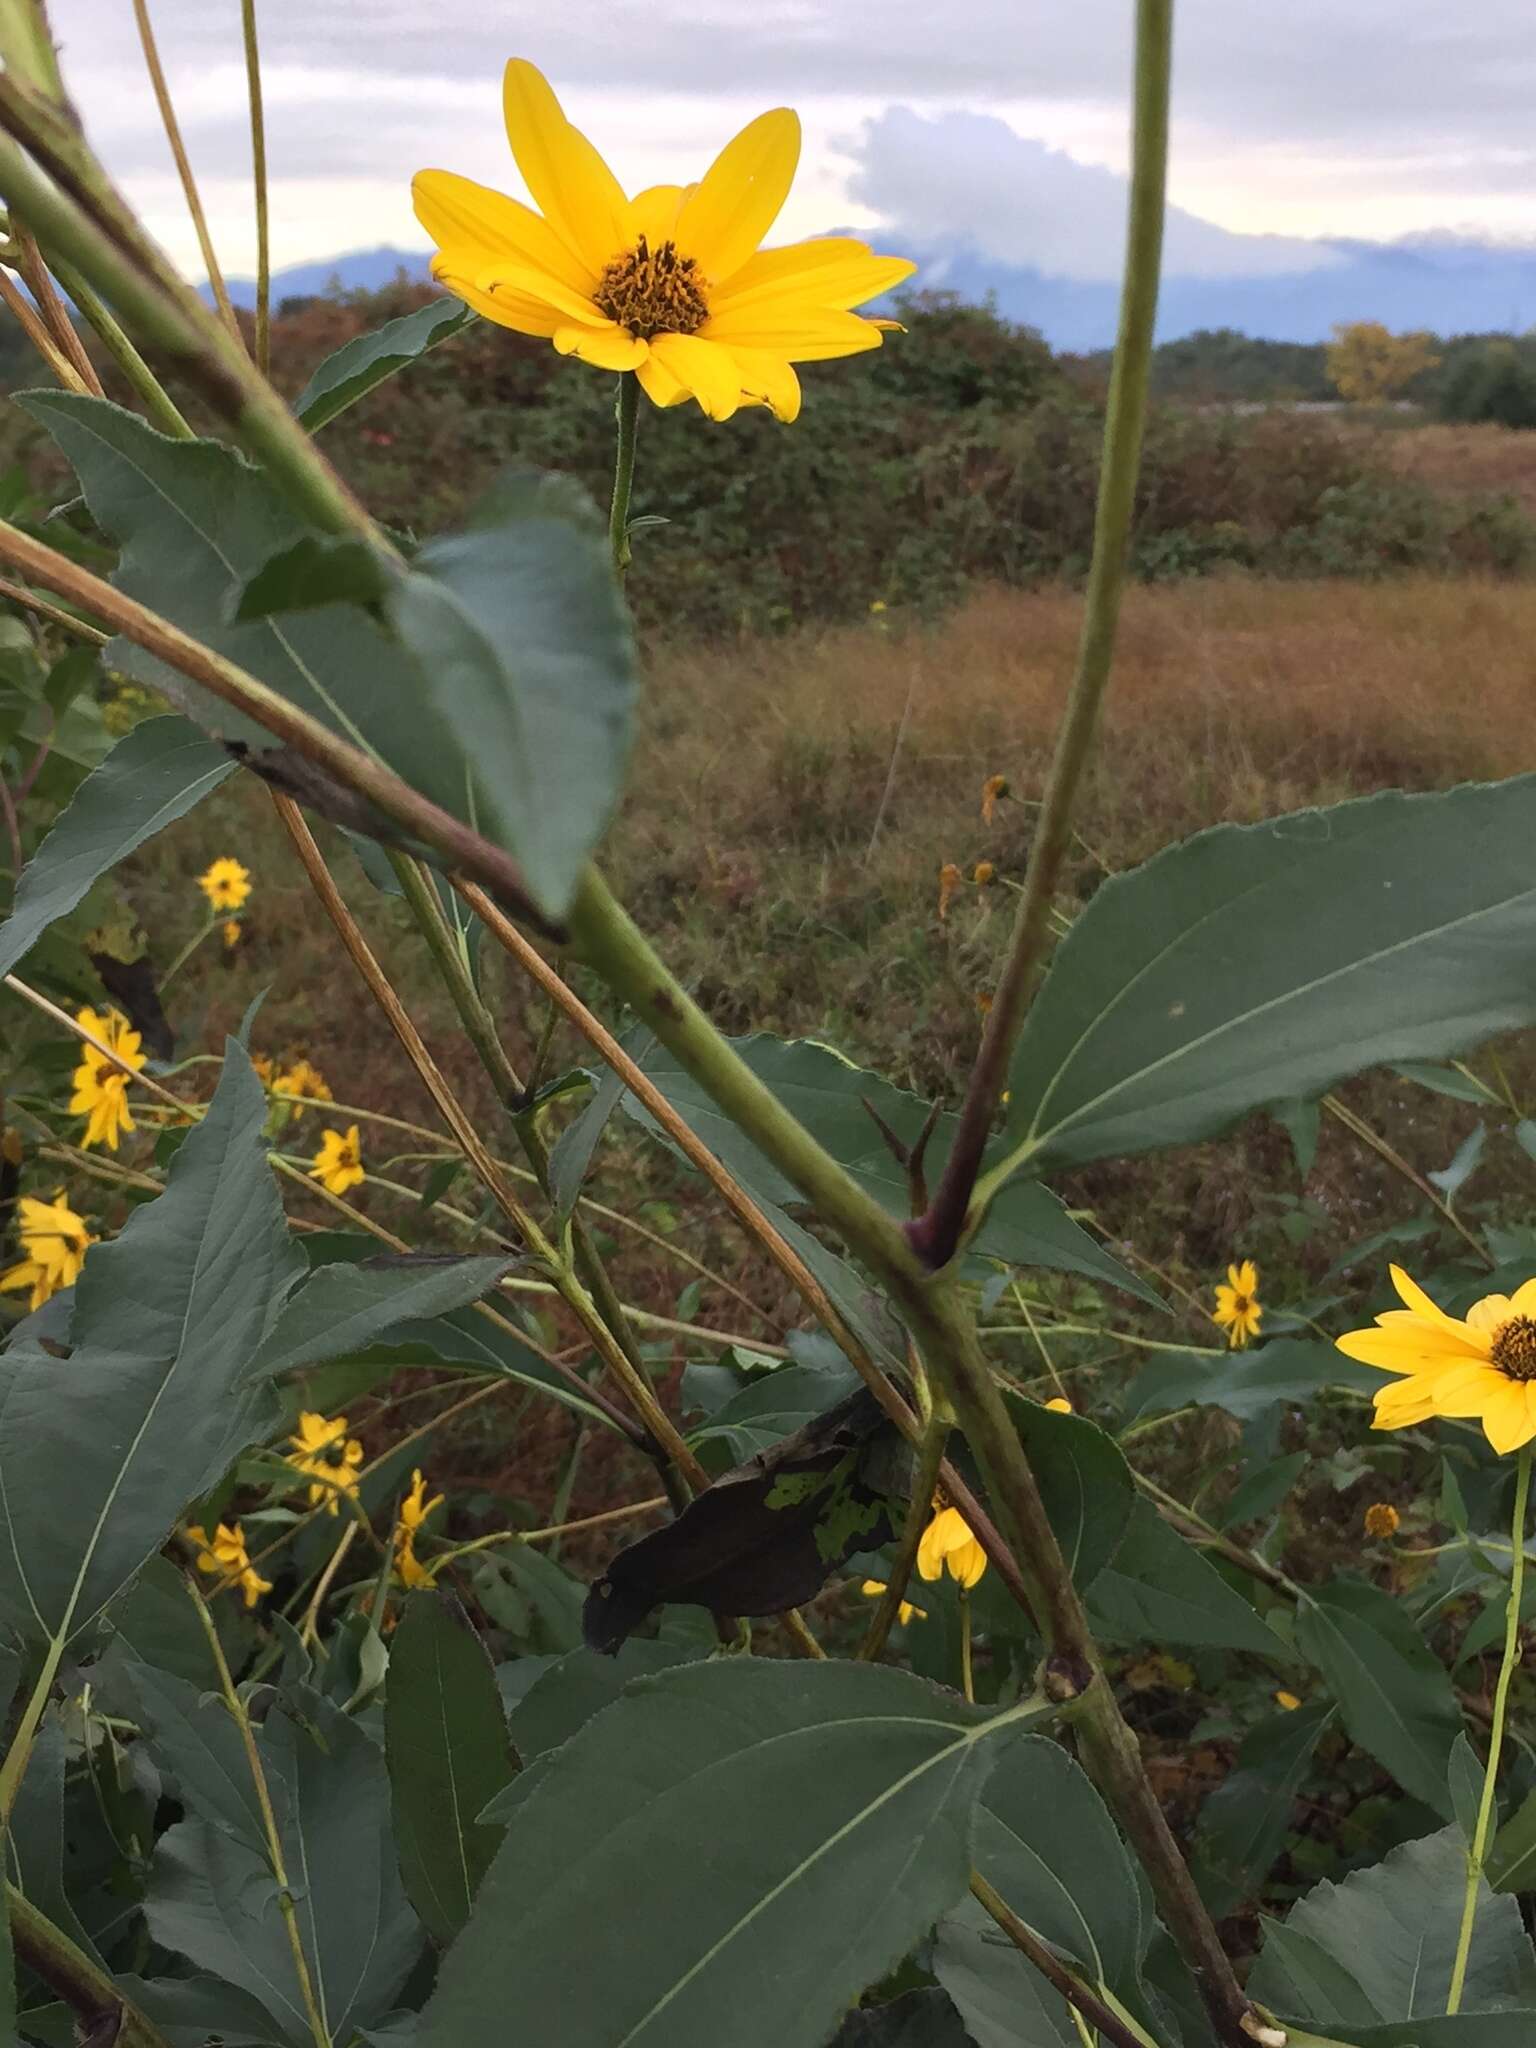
(607, 348)
(477, 226)
(1523, 1300)
(1406, 1351)
(1490, 1314)
(508, 309)
(1467, 1389)
(659, 384)
(797, 333)
(1509, 1420)
(509, 277)
(795, 261)
(708, 372)
(571, 185)
(655, 211)
(827, 286)
(738, 198)
(1402, 1404)
(769, 380)
(1410, 1292)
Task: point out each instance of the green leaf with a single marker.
(770, 1407)
(529, 1596)
(1511, 1865)
(193, 1739)
(191, 2011)
(1244, 1823)
(1245, 1383)
(154, 775)
(1046, 1842)
(1465, 1784)
(212, 1899)
(1446, 1081)
(845, 1793)
(571, 1154)
(1003, 2000)
(1261, 1493)
(345, 1308)
(1392, 1931)
(1457, 2030)
(1396, 1698)
(1086, 1484)
(918, 2019)
(1393, 928)
(1161, 1590)
(150, 1410)
(34, 1840)
(579, 1685)
(317, 569)
(521, 629)
(1026, 1226)
(360, 365)
(507, 702)
(445, 1740)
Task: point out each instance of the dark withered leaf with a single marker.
(127, 973)
(767, 1534)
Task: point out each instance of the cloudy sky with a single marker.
(1004, 119)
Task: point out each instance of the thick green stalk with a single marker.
(1478, 1850)
(958, 1196)
(100, 2009)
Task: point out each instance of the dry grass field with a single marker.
(1466, 461)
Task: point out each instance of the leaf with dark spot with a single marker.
(768, 1533)
(123, 966)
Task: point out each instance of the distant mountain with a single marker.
(1450, 284)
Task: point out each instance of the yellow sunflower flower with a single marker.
(1483, 1366)
(670, 284)
(1238, 1309)
(992, 790)
(231, 933)
(1381, 1519)
(906, 1613)
(224, 1554)
(101, 1087)
(338, 1165)
(300, 1079)
(1059, 1405)
(55, 1241)
(1286, 1700)
(948, 1545)
(414, 1510)
(226, 884)
(321, 1447)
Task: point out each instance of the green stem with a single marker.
(188, 950)
(626, 416)
(940, 1232)
(156, 401)
(1479, 1846)
(919, 1513)
(69, 1973)
(259, 173)
(19, 1754)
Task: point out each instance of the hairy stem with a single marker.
(100, 2009)
(938, 1235)
(1477, 1852)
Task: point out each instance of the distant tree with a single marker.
(1496, 383)
(1368, 363)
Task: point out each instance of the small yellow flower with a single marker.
(1059, 1405)
(1381, 1519)
(101, 1086)
(984, 874)
(321, 1447)
(55, 1241)
(338, 1165)
(414, 1510)
(948, 1545)
(906, 1613)
(1483, 1366)
(225, 1554)
(301, 1079)
(1288, 1700)
(670, 284)
(876, 606)
(1238, 1309)
(950, 879)
(226, 884)
(231, 934)
(265, 1068)
(992, 789)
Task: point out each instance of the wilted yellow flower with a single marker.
(984, 1004)
(992, 789)
(984, 874)
(338, 1165)
(101, 1088)
(225, 1554)
(300, 1079)
(1285, 1699)
(670, 284)
(321, 1447)
(1237, 1304)
(948, 1545)
(950, 879)
(55, 1241)
(1059, 1405)
(226, 884)
(1484, 1365)
(231, 933)
(414, 1510)
(1381, 1519)
(906, 1613)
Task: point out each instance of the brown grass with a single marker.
(1466, 461)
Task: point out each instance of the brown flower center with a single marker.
(653, 291)
(1514, 1348)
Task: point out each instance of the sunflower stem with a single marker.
(937, 1235)
(1476, 1853)
(626, 414)
(259, 174)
